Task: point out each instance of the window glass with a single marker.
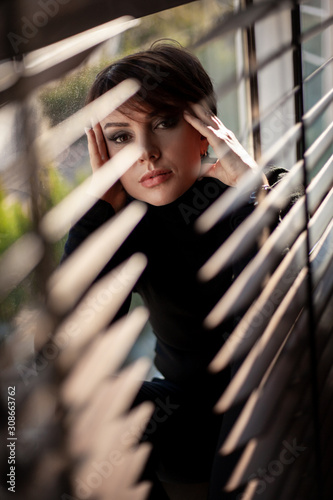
(220, 60)
(313, 3)
(275, 81)
(315, 51)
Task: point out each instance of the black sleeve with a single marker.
(99, 213)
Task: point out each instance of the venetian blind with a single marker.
(282, 344)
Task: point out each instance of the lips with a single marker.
(155, 177)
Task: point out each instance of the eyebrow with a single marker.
(116, 124)
(124, 124)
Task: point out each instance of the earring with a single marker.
(204, 154)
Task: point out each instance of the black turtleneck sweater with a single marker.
(178, 302)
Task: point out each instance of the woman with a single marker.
(173, 119)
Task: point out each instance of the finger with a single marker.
(94, 154)
(214, 124)
(101, 142)
(203, 113)
(208, 117)
(208, 131)
(218, 121)
(208, 112)
(197, 123)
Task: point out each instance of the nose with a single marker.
(150, 149)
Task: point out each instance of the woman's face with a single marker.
(170, 162)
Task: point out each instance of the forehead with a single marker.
(135, 117)
(117, 116)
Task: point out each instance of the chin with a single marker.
(160, 196)
(159, 201)
(156, 197)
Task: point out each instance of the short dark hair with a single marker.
(170, 76)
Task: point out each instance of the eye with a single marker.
(168, 122)
(120, 137)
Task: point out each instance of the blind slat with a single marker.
(236, 197)
(316, 30)
(245, 429)
(39, 60)
(264, 404)
(250, 489)
(54, 61)
(276, 106)
(234, 81)
(247, 285)
(93, 367)
(316, 110)
(319, 147)
(55, 140)
(296, 470)
(262, 354)
(311, 115)
(59, 219)
(68, 282)
(258, 315)
(18, 261)
(243, 18)
(101, 412)
(85, 322)
(259, 452)
(109, 437)
(247, 233)
(262, 451)
(266, 449)
(318, 70)
(278, 350)
(82, 15)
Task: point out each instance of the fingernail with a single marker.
(86, 129)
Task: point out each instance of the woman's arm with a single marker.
(233, 161)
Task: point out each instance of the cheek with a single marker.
(129, 182)
(191, 158)
(190, 147)
(110, 149)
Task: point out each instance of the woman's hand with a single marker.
(98, 153)
(233, 161)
